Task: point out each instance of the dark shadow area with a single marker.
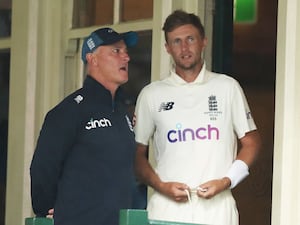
(247, 52)
(4, 103)
(139, 76)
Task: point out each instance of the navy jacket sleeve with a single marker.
(56, 138)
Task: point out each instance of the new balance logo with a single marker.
(166, 106)
(78, 99)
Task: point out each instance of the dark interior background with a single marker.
(247, 52)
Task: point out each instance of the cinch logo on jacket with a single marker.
(98, 123)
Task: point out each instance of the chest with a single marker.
(101, 125)
(192, 105)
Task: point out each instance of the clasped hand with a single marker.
(178, 191)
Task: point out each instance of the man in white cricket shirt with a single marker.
(196, 119)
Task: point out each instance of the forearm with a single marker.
(43, 196)
(44, 173)
(146, 174)
(143, 169)
(250, 148)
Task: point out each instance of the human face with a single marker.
(112, 64)
(185, 45)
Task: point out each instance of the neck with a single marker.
(110, 86)
(189, 74)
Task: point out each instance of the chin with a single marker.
(123, 81)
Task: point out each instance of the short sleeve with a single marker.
(243, 121)
(144, 123)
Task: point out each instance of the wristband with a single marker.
(237, 172)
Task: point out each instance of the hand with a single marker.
(50, 213)
(174, 190)
(211, 188)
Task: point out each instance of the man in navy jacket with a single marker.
(82, 168)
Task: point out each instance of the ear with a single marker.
(88, 57)
(205, 41)
(91, 59)
(167, 47)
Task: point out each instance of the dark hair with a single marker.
(179, 18)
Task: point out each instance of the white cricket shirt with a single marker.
(194, 126)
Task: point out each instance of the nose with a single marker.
(184, 45)
(125, 57)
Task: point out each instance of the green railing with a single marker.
(38, 221)
(140, 217)
(127, 217)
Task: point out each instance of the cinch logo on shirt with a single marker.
(92, 124)
(166, 106)
(189, 134)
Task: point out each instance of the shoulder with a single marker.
(151, 88)
(221, 78)
(150, 93)
(69, 106)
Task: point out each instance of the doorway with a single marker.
(246, 50)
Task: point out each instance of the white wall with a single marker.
(286, 178)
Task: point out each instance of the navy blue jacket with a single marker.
(83, 162)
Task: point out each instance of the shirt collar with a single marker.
(98, 89)
(200, 79)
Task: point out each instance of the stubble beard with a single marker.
(188, 67)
